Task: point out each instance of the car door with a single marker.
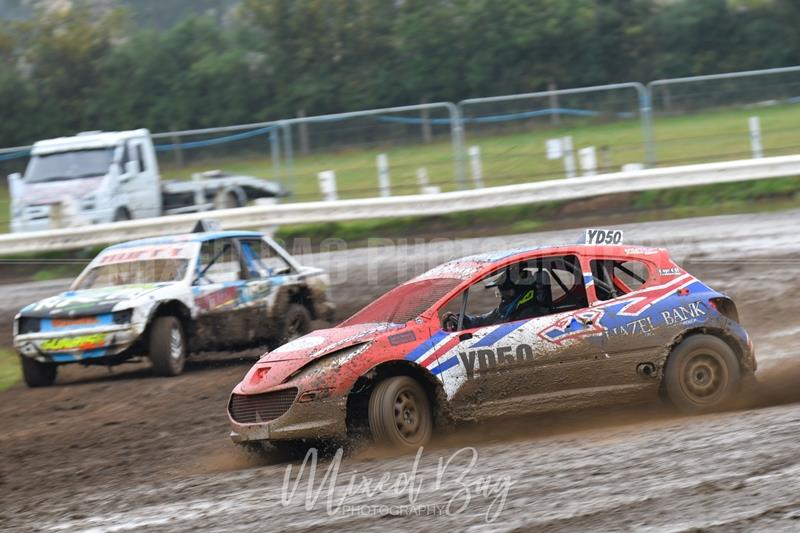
(627, 293)
(517, 365)
(266, 270)
(143, 188)
(217, 291)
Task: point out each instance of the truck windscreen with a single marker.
(69, 165)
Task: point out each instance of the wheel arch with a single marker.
(295, 294)
(174, 308)
(358, 397)
(233, 190)
(124, 210)
(721, 333)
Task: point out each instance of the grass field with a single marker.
(517, 157)
(10, 371)
(520, 157)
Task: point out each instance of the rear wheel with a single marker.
(226, 200)
(121, 215)
(400, 414)
(167, 346)
(38, 374)
(296, 323)
(702, 374)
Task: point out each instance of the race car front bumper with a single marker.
(314, 419)
(78, 345)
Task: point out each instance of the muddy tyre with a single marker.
(400, 414)
(702, 374)
(167, 346)
(296, 323)
(38, 374)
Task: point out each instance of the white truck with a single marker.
(99, 177)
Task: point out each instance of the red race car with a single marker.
(503, 333)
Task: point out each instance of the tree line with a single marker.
(82, 68)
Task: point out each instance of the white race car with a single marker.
(169, 296)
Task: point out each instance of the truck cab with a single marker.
(100, 177)
(91, 178)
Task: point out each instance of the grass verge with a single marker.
(10, 370)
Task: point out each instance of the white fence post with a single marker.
(422, 178)
(327, 185)
(424, 183)
(755, 138)
(588, 159)
(569, 156)
(477, 167)
(384, 180)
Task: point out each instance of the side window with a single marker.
(136, 153)
(452, 307)
(262, 260)
(219, 262)
(563, 273)
(529, 289)
(140, 156)
(125, 157)
(482, 299)
(616, 277)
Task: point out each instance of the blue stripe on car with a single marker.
(425, 345)
(500, 332)
(450, 363)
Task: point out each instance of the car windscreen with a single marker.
(69, 165)
(404, 303)
(132, 273)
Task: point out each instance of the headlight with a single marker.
(122, 317)
(28, 324)
(330, 361)
(88, 202)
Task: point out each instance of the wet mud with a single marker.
(124, 450)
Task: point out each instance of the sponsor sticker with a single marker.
(402, 338)
(83, 342)
(70, 322)
(144, 253)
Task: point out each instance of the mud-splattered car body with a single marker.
(226, 289)
(616, 313)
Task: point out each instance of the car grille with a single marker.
(250, 409)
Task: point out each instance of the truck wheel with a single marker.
(702, 374)
(167, 346)
(38, 374)
(121, 215)
(400, 414)
(226, 200)
(296, 323)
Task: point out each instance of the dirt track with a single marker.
(128, 450)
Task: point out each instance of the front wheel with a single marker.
(38, 374)
(400, 414)
(296, 323)
(167, 346)
(702, 374)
